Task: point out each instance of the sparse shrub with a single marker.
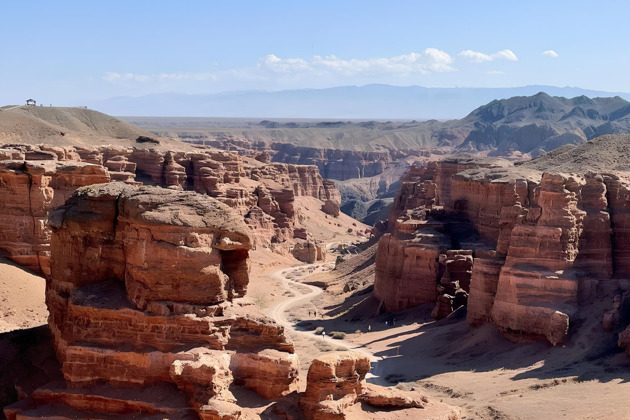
(260, 300)
(145, 139)
(337, 335)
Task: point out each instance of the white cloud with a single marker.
(428, 61)
(479, 57)
(551, 53)
(269, 67)
(125, 77)
(505, 54)
(113, 77)
(492, 72)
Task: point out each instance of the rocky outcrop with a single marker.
(407, 263)
(37, 179)
(542, 245)
(336, 389)
(454, 286)
(333, 163)
(253, 371)
(309, 252)
(29, 190)
(333, 384)
(146, 288)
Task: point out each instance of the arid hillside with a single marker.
(71, 127)
(529, 125)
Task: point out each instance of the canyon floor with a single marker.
(476, 370)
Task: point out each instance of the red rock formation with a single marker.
(407, 266)
(542, 243)
(253, 370)
(454, 285)
(29, 190)
(483, 288)
(333, 163)
(333, 384)
(335, 390)
(264, 194)
(146, 288)
(309, 252)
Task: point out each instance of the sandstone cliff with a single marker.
(146, 289)
(36, 179)
(336, 390)
(543, 243)
(32, 183)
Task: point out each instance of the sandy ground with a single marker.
(21, 298)
(475, 369)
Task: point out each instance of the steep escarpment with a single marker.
(149, 319)
(145, 292)
(545, 245)
(30, 188)
(333, 163)
(269, 196)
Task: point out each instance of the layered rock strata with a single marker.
(333, 163)
(543, 244)
(309, 252)
(37, 179)
(146, 289)
(29, 190)
(335, 390)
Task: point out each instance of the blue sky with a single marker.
(64, 52)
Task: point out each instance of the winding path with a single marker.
(278, 312)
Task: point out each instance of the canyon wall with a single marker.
(32, 184)
(37, 179)
(146, 293)
(543, 244)
(149, 319)
(333, 163)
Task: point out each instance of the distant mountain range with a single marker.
(345, 102)
(509, 127)
(541, 123)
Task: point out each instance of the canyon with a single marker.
(526, 246)
(148, 247)
(148, 314)
(277, 201)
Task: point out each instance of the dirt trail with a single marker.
(278, 312)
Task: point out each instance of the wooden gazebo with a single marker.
(31, 102)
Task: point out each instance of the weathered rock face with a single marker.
(542, 244)
(454, 286)
(335, 390)
(483, 288)
(333, 384)
(309, 252)
(407, 264)
(539, 265)
(146, 288)
(29, 190)
(333, 163)
(37, 179)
